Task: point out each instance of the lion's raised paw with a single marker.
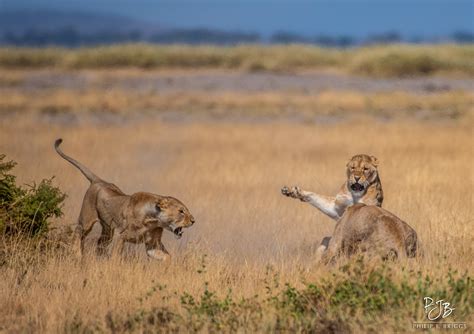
(294, 192)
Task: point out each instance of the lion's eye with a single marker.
(181, 211)
(365, 169)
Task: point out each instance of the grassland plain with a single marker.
(119, 102)
(386, 60)
(227, 94)
(247, 263)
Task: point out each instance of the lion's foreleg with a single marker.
(154, 247)
(331, 253)
(322, 248)
(118, 243)
(325, 204)
(105, 239)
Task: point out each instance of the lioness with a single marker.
(136, 218)
(369, 228)
(362, 186)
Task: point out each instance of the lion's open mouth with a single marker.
(357, 187)
(178, 232)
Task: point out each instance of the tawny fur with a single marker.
(136, 218)
(373, 230)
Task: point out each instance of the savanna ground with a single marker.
(224, 142)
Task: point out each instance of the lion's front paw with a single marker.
(158, 254)
(294, 192)
(285, 191)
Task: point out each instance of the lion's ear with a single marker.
(347, 165)
(374, 161)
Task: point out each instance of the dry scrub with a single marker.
(255, 239)
(389, 60)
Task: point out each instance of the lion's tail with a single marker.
(84, 170)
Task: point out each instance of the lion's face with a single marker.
(361, 172)
(161, 211)
(173, 215)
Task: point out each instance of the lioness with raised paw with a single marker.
(136, 218)
(362, 186)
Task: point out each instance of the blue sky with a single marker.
(356, 18)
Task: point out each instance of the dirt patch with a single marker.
(221, 81)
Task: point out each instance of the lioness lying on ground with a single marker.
(136, 218)
(371, 229)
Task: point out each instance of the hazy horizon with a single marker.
(357, 18)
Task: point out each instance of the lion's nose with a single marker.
(357, 178)
(192, 220)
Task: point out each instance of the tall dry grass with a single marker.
(385, 60)
(229, 175)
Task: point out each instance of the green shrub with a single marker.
(355, 297)
(371, 294)
(26, 210)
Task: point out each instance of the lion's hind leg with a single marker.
(87, 218)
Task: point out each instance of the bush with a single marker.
(26, 210)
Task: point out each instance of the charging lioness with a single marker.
(362, 186)
(373, 230)
(136, 218)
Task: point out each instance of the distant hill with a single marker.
(72, 29)
(21, 21)
(39, 28)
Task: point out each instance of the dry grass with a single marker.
(391, 61)
(453, 104)
(229, 175)
(248, 238)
